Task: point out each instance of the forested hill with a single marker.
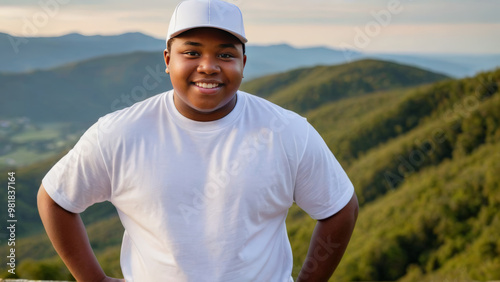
(424, 158)
(83, 91)
(305, 89)
(425, 165)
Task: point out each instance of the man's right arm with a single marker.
(69, 238)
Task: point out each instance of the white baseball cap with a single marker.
(218, 14)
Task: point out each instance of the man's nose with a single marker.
(208, 65)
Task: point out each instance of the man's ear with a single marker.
(166, 56)
(244, 60)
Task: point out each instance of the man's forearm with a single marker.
(69, 238)
(328, 243)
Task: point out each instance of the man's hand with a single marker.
(328, 243)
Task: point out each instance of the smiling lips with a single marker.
(207, 85)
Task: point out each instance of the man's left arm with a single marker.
(328, 243)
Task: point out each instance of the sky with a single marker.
(371, 26)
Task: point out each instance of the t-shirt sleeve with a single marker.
(80, 178)
(322, 187)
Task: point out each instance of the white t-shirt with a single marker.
(202, 201)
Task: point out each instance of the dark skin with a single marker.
(69, 238)
(206, 68)
(328, 243)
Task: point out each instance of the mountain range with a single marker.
(421, 147)
(84, 91)
(19, 54)
(422, 150)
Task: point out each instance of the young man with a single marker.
(202, 176)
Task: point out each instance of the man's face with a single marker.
(206, 68)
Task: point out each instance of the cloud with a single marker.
(358, 12)
(470, 25)
(401, 38)
(12, 13)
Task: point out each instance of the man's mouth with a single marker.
(207, 85)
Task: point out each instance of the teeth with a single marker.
(207, 85)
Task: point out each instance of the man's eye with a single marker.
(226, 56)
(191, 53)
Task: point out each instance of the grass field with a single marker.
(49, 131)
(35, 142)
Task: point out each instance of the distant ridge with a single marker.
(270, 59)
(18, 54)
(36, 53)
(305, 89)
(82, 92)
